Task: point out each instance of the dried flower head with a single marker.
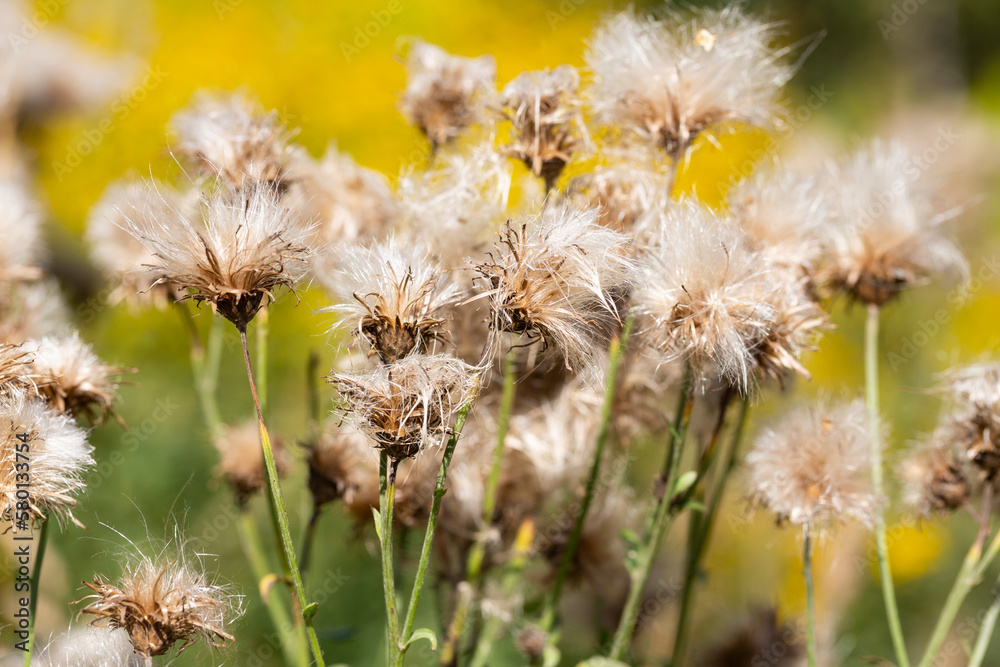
(935, 481)
(20, 234)
(973, 428)
(118, 254)
(241, 459)
(58, 453)
(408, 405)
(709, 299)
(559, 279)
(345, 201)
(813, 466)
(544, 110)
(394, 295)
(15, 370)
(783, 213)
(161, 602)
(229, 137)
(671, 79)
(888, 236)
(72, 378)
(445, 94)
(235, 258)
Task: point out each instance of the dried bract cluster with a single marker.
(241, 459)
(72, 378)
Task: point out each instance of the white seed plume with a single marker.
(72, 378)
(88, 646)
(812, 466)
(445, 94)
(395, 296)
(558, 278)
(888, 235)
(58, 455)
(670, 79)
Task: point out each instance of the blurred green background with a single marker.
(903, 68)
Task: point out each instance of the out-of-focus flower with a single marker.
(935, 481)
(812, 467)
(544, 110)
(241, 459)
(671, 79)
(888, 236)
(32, 310)
(396, 296)
(973, 427)
(445, 94)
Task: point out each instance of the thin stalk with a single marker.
(477, 553)
(611, 381)
(263, 331)
(425, 550)
(205, 366)
(387, 498)
(807, 575)
(36, 574)
(278, 505)
(307, 539)
(661, 520)
(882, 545)
(700, 532)
(989, 624)
(257, 558)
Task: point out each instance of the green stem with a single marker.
(699, 535)
(263, 331)
(477, 554)
(611, 381)
(882, 546)
(661, 520)
(807, 575)
(257, 558)
(387, 497)
(986, 630)
(307, 539)
(36, 573)
(278, 504)
(425, 550)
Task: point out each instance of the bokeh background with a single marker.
(909, 68)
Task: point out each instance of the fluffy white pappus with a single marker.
(58, 456)
(444, 93)
(230, 137)
(704, 294)
(889, 233)
(559, 278)
(973, 426)
(672, 78)
(33, 310)
(544, 108)
(72, 377)
(784, 212)
(20, 233)
(453, 207)
(88, 646)
(408, 405)
(234, 258)
(396, 296)
(346, 202)
(812, 466)
(118, 254)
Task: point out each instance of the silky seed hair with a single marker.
(163, 602)
(889, 233)
(670, 79)
(396, 297)
(445, 94)
(120, 256)
(72, 378)
(704, 295)
(229, 137)
(559, 279)
(87, 646)
(234, 258)
(408, 405)
(20, 234)
(59, 454)
(812, 466)
(543, 108)
(346, 202)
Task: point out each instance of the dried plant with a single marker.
(32, 310)
(234, 258)
(812, 466)
(935, 479)
(445, 94)
(396, 296)
(544, 110)
(671, 79)
(72, 378)
(241, 461)
(973, 426)
(58, 453)
(20, 229)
